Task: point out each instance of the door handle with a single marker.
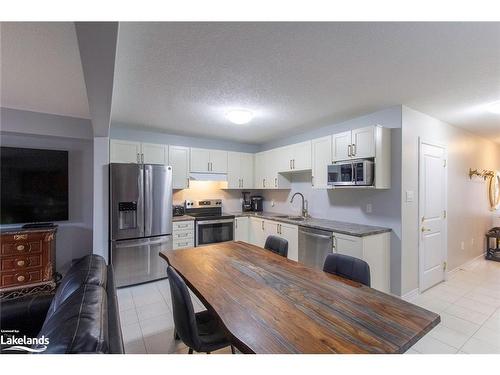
(263, 182)
(293, 163)
(142, 158)
(187, 182)
(275, 181)
(138, 159)
(354, 149)
(349, 150)
(262, 225)
(425, 230)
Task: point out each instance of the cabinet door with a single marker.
(246, 170)
(241, 229)
(284, 156)
(348, 245)
(321, 158)
(124, 151)
(272, 162)
(301, 159)
(259, 170)
(218, 161)
(154, 153)
(340, 146)
(291, 234)
(364, 142)
(199, 160)
(178, 158)
(257, 231)
(234, 170)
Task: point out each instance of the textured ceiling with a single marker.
(183, 77)
(41, 68)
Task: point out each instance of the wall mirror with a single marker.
(494, 191)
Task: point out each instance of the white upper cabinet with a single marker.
(124, 151)
(260, 170)
(321, 158)
(137, 152)
(354, 144)
(208, 161)
(341, 146)
(154, 153)
(296, 157)
(240, 170)
(363, 142)
(178, 158)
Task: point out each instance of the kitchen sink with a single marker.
(296, 218)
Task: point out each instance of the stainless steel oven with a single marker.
(213, 231)
(353, 172)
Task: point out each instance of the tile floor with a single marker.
(469, 305)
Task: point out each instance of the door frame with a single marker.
(422, 141)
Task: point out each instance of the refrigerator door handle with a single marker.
(148, 200)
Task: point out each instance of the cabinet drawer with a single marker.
(183, 225)
(21, 247)
(21, 277)
(183, 243)
(183, 235)
(21, 262)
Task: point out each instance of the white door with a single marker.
(432, 215)
(257, 232)
(341, 143)
(348, 245)
(291, 234)
(218, 161)
(363, 142)
(272, 160)
(301, 156)
(241, 229)
(321, 158)
(199, 160)
(154, 153)
(124, 151)
(246, 170)
(234, 170)
(178, 158)
(284, 156)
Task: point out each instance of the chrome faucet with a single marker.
(304, 204)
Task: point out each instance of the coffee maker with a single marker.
(257, 203)
(246, 204)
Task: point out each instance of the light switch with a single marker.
(409, 196)
(369, 208)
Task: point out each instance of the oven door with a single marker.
(341, 174)
(213, 231)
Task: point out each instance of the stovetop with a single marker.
(206, 209)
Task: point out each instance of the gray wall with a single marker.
(119, 132)
(349, 205)
(74, 236)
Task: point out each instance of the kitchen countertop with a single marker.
(351, 229)
(182, 218)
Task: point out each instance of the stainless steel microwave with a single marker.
(352, 172)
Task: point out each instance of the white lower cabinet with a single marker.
(375, 250)
(241, 229)
(182, 234)
(260, 229)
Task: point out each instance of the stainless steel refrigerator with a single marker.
(141, 221)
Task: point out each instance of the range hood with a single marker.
(207, 176)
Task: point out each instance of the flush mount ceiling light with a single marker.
(239, 116)
(494, 107)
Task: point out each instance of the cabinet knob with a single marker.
(20, 247)
(21, 263)
(21, 278)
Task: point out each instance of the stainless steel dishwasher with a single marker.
(314, 246)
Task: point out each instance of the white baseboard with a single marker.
(450, 274)
(410, 296)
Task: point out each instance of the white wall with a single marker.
(468, 211)
(74, 236)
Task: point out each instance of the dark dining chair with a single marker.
(349, 267)
(199, 331)
(277, 245)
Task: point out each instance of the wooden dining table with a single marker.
(269, 304)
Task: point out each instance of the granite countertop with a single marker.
(351, 229)
(182, 218)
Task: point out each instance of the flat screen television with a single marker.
(34, 185)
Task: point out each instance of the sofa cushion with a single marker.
(80, 323)
(90, 269)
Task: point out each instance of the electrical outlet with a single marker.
(272, 203)
(462, 245)
(409, 196)
(369, 208)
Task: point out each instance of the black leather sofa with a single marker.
(82, 315)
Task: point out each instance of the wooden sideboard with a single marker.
(27, 258)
